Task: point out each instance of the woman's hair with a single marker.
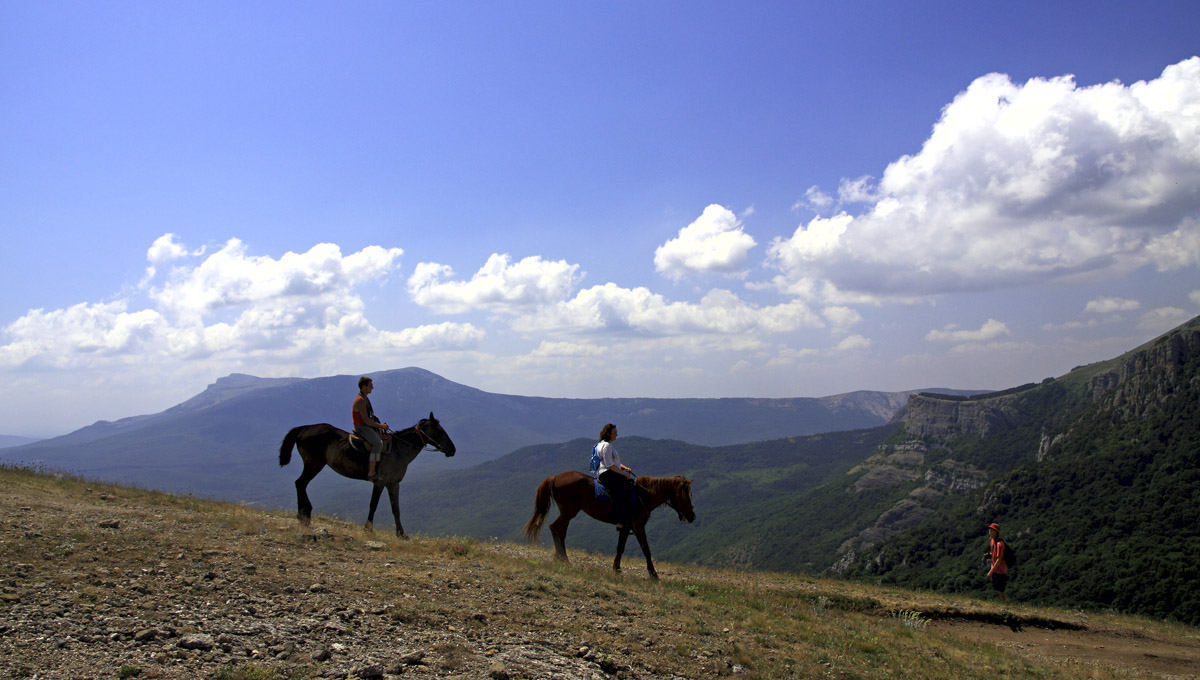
(362, 382)
(607, 432)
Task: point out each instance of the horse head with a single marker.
(432, 434)
(681, 499)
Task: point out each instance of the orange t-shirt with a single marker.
(1000, 566)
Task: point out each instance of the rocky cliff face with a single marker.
(1142, 381)
(928, 417)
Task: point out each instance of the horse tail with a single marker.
(541, 507)
(285, 449)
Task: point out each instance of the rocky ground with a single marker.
(106, 582)
(110, 588)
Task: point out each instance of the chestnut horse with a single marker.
(574, 491)
(324, 444)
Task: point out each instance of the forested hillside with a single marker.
(1096, 488)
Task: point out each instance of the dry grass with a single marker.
(694, 623)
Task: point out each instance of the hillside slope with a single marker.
(106, 581)
(1092, 477)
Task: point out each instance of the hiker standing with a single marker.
(999, 570)
(366, 425)
(615, 477)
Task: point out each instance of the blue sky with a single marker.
(587, 199)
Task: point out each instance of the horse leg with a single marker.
(640, 532)
(303, 506)
(622, 536)
(558, 529)
(394, 498)
(376, 490)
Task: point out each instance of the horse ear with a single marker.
(431, 416)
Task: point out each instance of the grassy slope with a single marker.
(695, 623)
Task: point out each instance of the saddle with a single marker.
(602, 493)
(363, 446)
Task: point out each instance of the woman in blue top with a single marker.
(615, 477)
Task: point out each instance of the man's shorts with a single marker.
(999, 582)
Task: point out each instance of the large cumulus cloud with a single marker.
(1018, 184)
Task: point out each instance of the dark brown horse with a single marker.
(574, 491)
(324, 444)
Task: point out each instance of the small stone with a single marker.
(367, 672)
(496, 671)
(413, 659)
(145, 635)
(111, 524)
(198, 641)
(321, 654)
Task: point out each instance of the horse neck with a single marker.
(407, 450)
(659, 487)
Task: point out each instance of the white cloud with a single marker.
(853, 342)
(840, 317)
(994, 349)
(1109, 305)
(230, 307)
(713, 244)
(1023, 183)
(230, 278)
(639, 311)
(1162, 319)
(1194, 296)
(786, 356)
(815, 199)
(989, 330)
(572, 350)
(498, 286)
(857, 190)
(1070, 325)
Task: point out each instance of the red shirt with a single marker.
(355, 412)
(999, 566)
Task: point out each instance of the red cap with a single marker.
(995, 526)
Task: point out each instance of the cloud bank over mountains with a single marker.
(1044, 182)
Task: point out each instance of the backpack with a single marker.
(595, 461)
(1010, 555)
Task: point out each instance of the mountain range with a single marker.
(223, 442)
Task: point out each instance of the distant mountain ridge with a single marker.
(222, 442)
(8, 440)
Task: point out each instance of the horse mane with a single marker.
(662, 486)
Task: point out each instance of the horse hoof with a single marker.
(369, 527)
(402, 535)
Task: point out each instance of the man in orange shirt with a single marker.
(366, 425)
(999, 570)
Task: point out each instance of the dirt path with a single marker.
(1097, 645)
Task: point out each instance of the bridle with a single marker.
(425, 439)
